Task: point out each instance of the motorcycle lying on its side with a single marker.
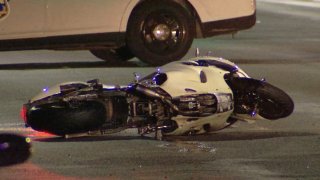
(194, 96)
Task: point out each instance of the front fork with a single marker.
(247, 99)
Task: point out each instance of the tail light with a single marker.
(23, 113)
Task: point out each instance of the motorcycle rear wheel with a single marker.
(61, 119)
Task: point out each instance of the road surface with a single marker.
(283, 47)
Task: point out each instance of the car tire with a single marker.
(113, 55)
(160, 31)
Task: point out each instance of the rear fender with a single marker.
(54, 90)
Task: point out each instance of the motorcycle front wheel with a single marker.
(270, 102)
(273, 102)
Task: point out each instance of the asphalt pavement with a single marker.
(283, 47)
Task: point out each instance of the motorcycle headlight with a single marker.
(225, 102)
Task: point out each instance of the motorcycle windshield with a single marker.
(218, 64)
(212, 62)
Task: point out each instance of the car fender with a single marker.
(126, 15)
(219, 10)
(215, 10)
(131, 5)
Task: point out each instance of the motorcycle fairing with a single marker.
(188, 75)
(213, 121)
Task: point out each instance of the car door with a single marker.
(68, 17)
(22, 18)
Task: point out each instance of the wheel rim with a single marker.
(162, 33)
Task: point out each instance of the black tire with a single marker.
(274, 103)
(113, 55)
(61, 119)
(160, 31)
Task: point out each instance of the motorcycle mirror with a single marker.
(136, 77)
(14, 149)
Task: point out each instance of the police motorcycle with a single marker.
(194, 96)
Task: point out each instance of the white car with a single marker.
(155, 31)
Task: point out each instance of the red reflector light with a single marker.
(23, 113)
(37, 134)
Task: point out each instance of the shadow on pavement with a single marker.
(102, 64)
(92, 138)
(219, 136)
(238, 136)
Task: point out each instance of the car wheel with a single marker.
(160, 31)
(113, 55)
